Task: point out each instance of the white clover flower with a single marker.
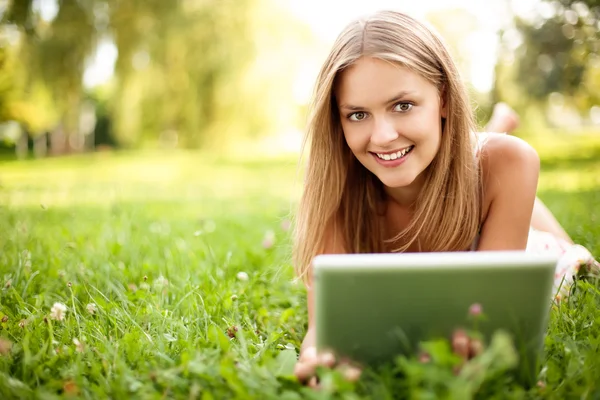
(242, 276)
(161, 282)
(91, 308)
(79, 346)
(210, 226)
(58, 311)
(26, 257)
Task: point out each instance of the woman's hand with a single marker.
(464, 346)
(310, 360)
(306, 367)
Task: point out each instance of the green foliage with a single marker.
(21, 13)
(550, 61)
(184, 69)
(7, 87)
(559, 54)
(200, 85)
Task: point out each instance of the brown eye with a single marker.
(403, 107)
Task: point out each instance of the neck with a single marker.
(405, 196)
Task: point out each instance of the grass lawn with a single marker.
(174, 270)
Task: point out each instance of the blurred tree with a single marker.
(7, 82)
(180, 66)
(559, 53)
(61, 62)
(458, 27)
(20, 13)
(51, 61)
(185, 71)
(24, 97)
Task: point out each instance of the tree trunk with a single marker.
(58, 141)
(22, 146)
(40, 145)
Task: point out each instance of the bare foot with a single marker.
(503, 120)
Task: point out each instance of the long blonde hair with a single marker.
(341, 195)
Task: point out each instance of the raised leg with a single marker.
(542, 219)
(503, 120)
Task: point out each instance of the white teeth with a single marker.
(394, 156)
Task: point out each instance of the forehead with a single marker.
(369, 80)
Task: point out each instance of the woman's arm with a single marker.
(510, 170)
(309, 359)
(333, 244)
(310, 340)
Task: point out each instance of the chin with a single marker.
(396, 182)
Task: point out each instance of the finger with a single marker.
(309, 353)
(313, 382)
(352, 374)
(475, 348)
(304, 371)
(460, 344)
(327, 359)
(350, 370)
(345, 361)
(307, 364)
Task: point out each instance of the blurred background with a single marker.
(236, 76)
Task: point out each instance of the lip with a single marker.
(392, 163)
(390, 152)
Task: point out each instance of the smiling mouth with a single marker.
(396, 155)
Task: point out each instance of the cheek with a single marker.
(354, 139)
(430, 129)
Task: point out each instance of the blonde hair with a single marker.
(341, 196)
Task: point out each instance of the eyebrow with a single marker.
(394, 99)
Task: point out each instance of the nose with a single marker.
(384, 132)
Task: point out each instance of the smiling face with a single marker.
(391, 118)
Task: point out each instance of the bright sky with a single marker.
(327, 18)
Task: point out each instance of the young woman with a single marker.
(395, 164)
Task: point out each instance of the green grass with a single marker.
(161, 244)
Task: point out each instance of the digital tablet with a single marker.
(373, 307)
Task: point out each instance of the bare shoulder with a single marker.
(502, 147)
(507, 158)
(510, 169)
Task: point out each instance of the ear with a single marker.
(443, 102)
